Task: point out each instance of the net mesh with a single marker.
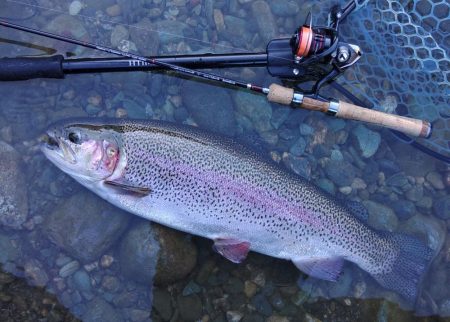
(405, 68)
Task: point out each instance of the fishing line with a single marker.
(102, 20)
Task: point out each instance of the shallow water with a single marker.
(100, 261)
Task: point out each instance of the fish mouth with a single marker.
(50, 142)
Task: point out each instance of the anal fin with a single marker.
(128, 187)
(324, 268)
(232, 249)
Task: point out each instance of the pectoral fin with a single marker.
(324, 268)
(128, 187)
(232, 249)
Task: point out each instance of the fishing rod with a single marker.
(308, 47)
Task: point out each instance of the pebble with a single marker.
(191, 288)
(441, 207)
(218, 20)
(264, 20)
(35, 272)
(341, 173)
(277, 318)
(260, 279)
(100, 310)
(69, 268)
(435, 178)
(114, 10)
(162, 303)
(284, 8)
(381, 217)
(13, 192)
(368, 141)
(110, 283)
(210, 106)
(250, 289)
(118, 34)
(82, 281)
(261, 304)
(415, 193)
(256, 108)
(358, 183)
(190, 307)
(106, 261)
(75, 7)
(404, 209)
(234, 316)
(298, 148)
(346, 190)
(85, 226)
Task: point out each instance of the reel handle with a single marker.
(341, 109)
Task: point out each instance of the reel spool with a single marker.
(309, 41)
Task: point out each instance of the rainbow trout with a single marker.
(213, 187)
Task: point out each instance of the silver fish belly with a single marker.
(213, 187)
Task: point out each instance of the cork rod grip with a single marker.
(279, 94)
(403, 124)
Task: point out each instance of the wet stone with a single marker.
(162, 303)
(191, 288)
(256, 108)
(190, 307)
(284, 8)
(250, 289)
(137, 315)
(368, 141)
(404, 209)
(126, 299)
(100, 310)
(234, 316)
(298, 148)
(110, 283)
(9, 251)
(146, 39)
(13, 192)
(264, 20)
(277, 301)
(69, 269)
(85, 226)
(261, 304)
(234, 286)
(415, 193)
(341, 173)
(81, 281)
(35, 272)
(441, 207)
(381, 217)
(211, 107)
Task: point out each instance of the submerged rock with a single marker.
(211, 107)
(368, 141)
(150, 252)
(85, 226)
(341, 173)
(99, 310)
(265, 20)
(381, 217)
(13, 188)
(441, 207)
(145, 36)
(256, 108)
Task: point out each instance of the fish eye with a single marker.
(74, 137)
(111, 151)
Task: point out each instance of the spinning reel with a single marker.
(313, 53)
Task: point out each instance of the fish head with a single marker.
(86, 153)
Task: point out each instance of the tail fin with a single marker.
(409, 267)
